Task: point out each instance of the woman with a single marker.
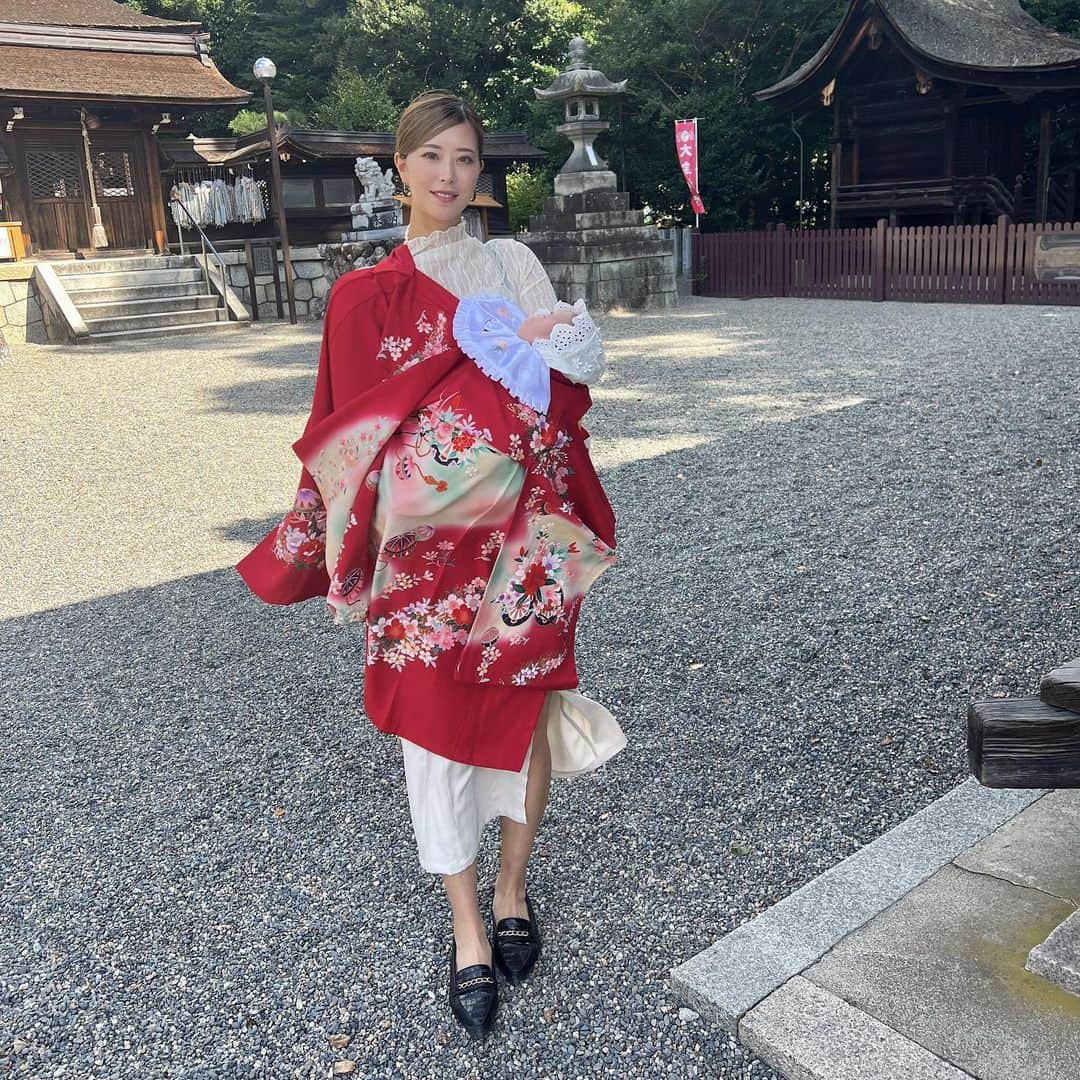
(448, 501)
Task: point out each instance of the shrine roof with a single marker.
(100, 75)
(98, 50)
(97, 13)
(512, 145)
(987, 42)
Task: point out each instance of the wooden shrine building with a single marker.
(85, 85)
(318, 177)
(931, 101)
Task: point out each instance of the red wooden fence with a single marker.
(972, 264)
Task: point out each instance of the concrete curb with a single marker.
(810, 1034)
(728, 979)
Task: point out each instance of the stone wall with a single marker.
(311, 283)
(20, 306)
(315, 269)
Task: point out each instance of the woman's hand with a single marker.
(540, 326)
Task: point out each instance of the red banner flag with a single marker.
(686, 144)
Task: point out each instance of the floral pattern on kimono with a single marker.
(460, 527)
(300, 540)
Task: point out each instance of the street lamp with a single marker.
(264, 70)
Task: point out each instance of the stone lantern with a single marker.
(580, 87)
(590, 242)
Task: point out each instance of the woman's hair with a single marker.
(431, 112)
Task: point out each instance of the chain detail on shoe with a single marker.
(480, 980)
(512, 933)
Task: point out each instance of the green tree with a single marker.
(687, 58)
(526, 188)
(248, 120)
(356, 102)
(1060, 15)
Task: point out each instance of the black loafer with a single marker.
(474, 995)
(515, 945)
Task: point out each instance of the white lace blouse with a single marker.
(466, 266)
(450, 802)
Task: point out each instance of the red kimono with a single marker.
(460, 525)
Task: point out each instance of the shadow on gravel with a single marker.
(203, 833)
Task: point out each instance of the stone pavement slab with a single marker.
(730, 977)
(1039, 848)
(945, 967)
(1058, 957)
(810, 1034)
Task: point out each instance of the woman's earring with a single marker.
(407, 191)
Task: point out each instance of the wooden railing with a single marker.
(974, 264)
(943, 194)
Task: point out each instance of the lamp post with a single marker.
(264, 70)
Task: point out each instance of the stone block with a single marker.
(809, 1034)
(945, 966)
(302, 289)
(238, 277)
(1037, 849)
(727, 979)
(7, 294)
(1058, 957)
(309, 269)
(320, 287)
(610, 219)
(36, 334)
(577, 183)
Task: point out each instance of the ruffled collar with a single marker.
(439, 238)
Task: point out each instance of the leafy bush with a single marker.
(526, 189)
(248, 120)
(356, 103)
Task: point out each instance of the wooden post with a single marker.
(1042, 188)
(1001, 252)
(877, 285)
(155, 196)
(778, 285)
(834, 181)
(949, 154)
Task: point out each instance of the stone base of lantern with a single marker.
(578, 182)
(375, 219)
(594, 246)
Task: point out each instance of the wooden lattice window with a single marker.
(112, 174)
(54, 174)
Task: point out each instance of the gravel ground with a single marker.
(838, 522)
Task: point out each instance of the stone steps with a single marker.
(125, 279)
(184, 317)
(142, 296)
(174, 330)
(121, 308)
(75, 267)
(85, 296)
